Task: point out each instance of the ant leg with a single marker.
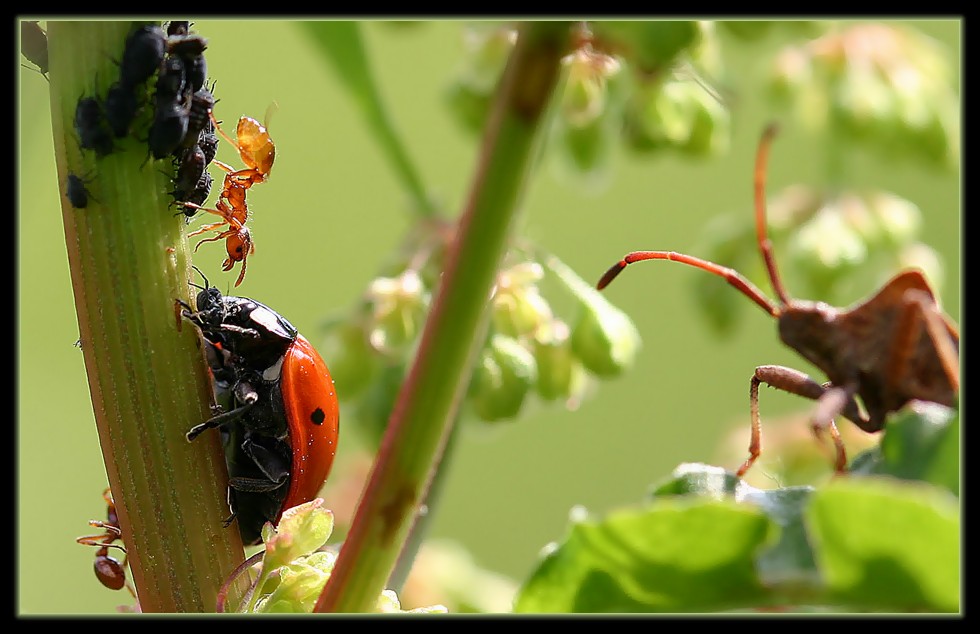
(206, 228)
(222, 132)
(224, 166)
(217, 212)
(115, 531)
(84, 541)
(212, 239)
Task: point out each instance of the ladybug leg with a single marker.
(231, 507)
(248, 332)
(244, 393)
(269, 461)
(254, 485)
(219, 420)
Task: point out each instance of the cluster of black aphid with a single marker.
(181, 126)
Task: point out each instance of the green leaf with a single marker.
(670, 555)
(886, 545)
(301, 530)
(919, 443)
(790, 560)
(342, 46)
(706, 541)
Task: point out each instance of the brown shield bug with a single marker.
(892, 348)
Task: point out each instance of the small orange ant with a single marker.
(234, 212)
(110, 572)
(238, 243)
(258, 152)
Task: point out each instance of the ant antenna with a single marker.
(271, 110)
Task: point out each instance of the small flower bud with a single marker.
(560, 373)
(585, 94)
(651, 45)
(605, 339)
(900, 219)
(502, 378)
(518, 312)
(825, 247)
(399, 309)
(711, 125)
(298, 589)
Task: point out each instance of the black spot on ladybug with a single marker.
(318, 416)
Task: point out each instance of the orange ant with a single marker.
(234, 212)
(110, 572)
(258, 152)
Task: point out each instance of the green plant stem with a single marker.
(129, 261)
(429, 399)
(420, 528)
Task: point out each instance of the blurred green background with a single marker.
(329, 217)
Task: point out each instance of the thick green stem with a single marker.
(429, 399)
(129, 262)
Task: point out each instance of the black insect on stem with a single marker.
(143, 53)
(91, 126)
(76, 191)
(120, 108)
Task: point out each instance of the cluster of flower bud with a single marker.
(295, 567)
(643, 83)
(890, 87)
(531, 350)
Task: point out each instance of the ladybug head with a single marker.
(210, 300)
(211, 306)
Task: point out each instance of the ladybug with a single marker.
(280, 433)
